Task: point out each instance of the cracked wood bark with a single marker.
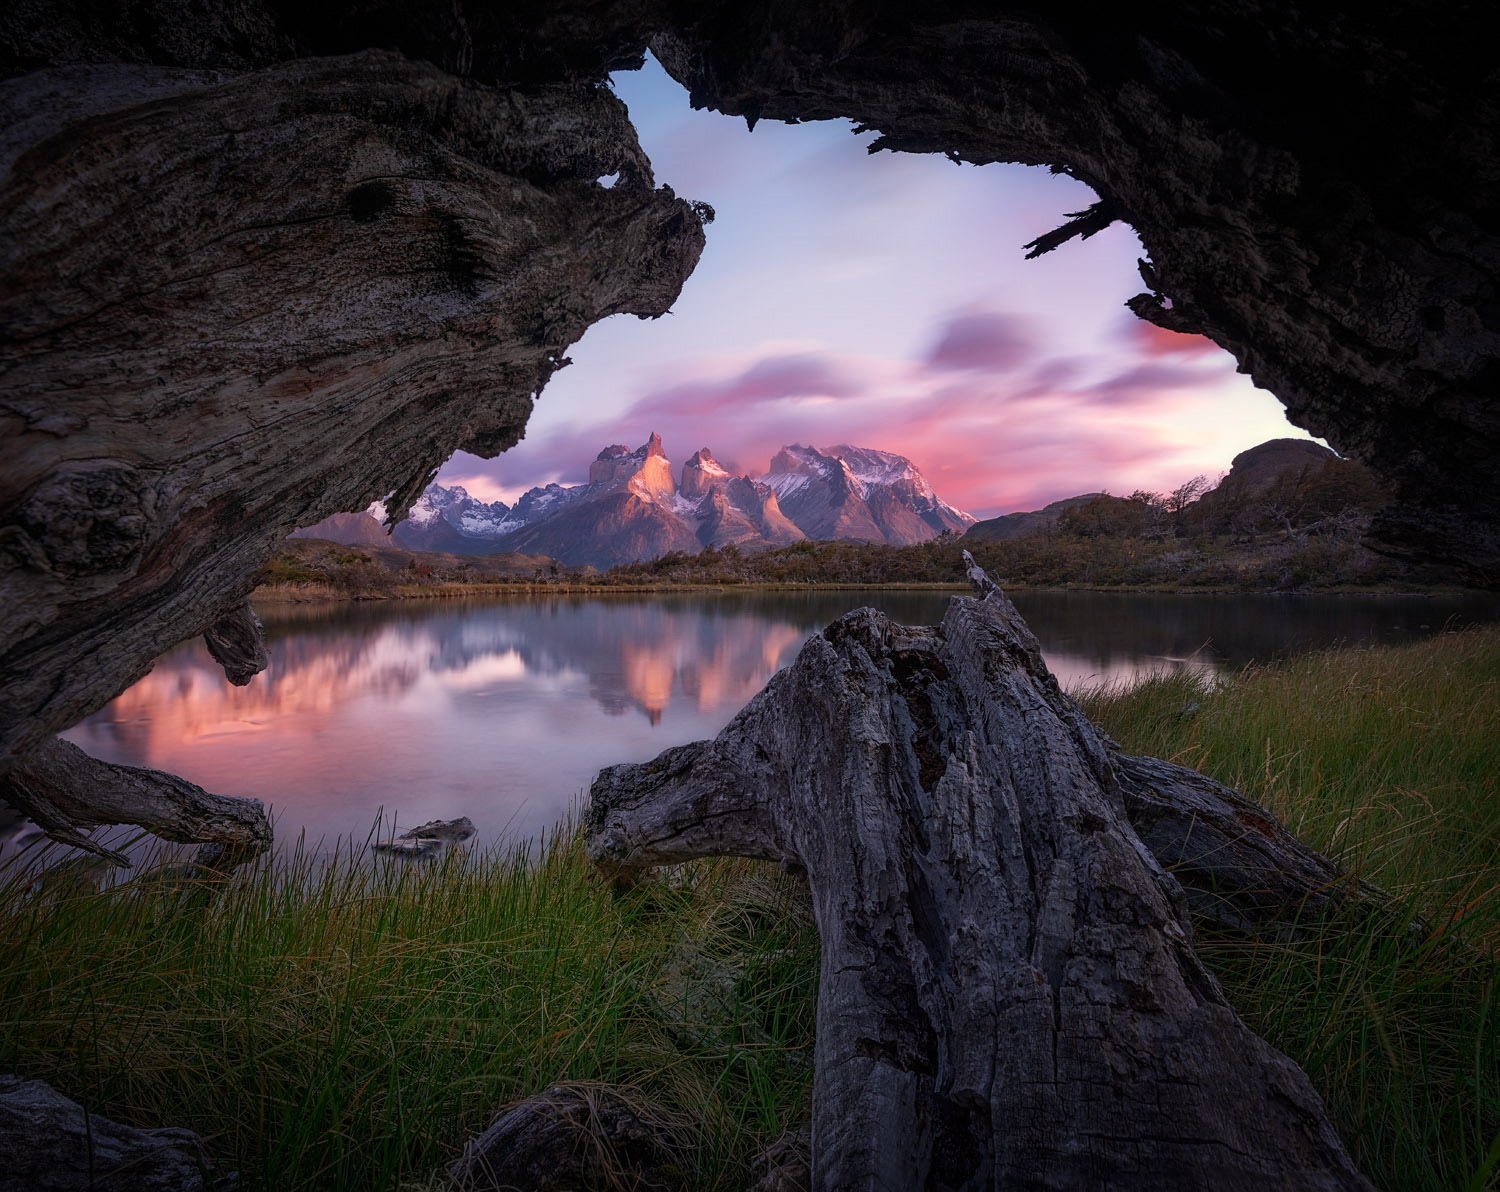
(237, 642)
(1239, 868)
(63, 789)
(232, 303)
(1009, 996)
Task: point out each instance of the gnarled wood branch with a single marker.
(235, 303)
(1009, 996)
(237, 642)
(63, 790)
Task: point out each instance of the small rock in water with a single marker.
(428, 838)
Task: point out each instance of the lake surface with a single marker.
(504, 710)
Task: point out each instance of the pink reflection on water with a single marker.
(503, 713)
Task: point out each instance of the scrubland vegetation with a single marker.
(349, 1025)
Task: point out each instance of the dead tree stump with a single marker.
(1009, 995)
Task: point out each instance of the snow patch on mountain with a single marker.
(633, 507)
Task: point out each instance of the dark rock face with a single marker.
(51, 1144)
(603, 531)
(860, 494)
(232, 305)
(1261, 466)
(742, 512)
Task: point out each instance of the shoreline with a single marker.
(303, 989)
(327, 594)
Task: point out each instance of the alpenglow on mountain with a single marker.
(634, 508)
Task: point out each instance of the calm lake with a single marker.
(503, 710)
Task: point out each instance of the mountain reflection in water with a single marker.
(504, 710)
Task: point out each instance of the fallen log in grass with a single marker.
(1009, 995)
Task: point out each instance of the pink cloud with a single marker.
(980, 342)
(1146, 382)
(771, 378)
(992, 423)
(1158, 341)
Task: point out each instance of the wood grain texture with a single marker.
(1009, 995)
(62, 789)
(234, 303)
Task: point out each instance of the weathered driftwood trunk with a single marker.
(63, 789)
(233, 302)
(1009, 994)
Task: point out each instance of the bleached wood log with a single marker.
(63, 789)
(1009, 995)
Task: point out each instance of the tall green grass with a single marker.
(345, 1025)
(348, 1025)
(1387, 759)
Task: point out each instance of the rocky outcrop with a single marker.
(859, 494)
(617, 526)
(646, 471)
(1008, 985)
(1017, 525)
(740, 512)
(701, 472)
(52, 1144)
(233, 304)
(1254, 471)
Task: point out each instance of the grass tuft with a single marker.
(1388, 760)
(349, 1025)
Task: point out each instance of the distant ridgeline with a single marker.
(1285, 484)
(632, 508)
(1289, 514)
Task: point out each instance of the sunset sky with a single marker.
(883, 300)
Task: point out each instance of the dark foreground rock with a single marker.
(1009, 996)
(51, 1144)
(576, 1138)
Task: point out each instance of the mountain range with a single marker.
(634, 508)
